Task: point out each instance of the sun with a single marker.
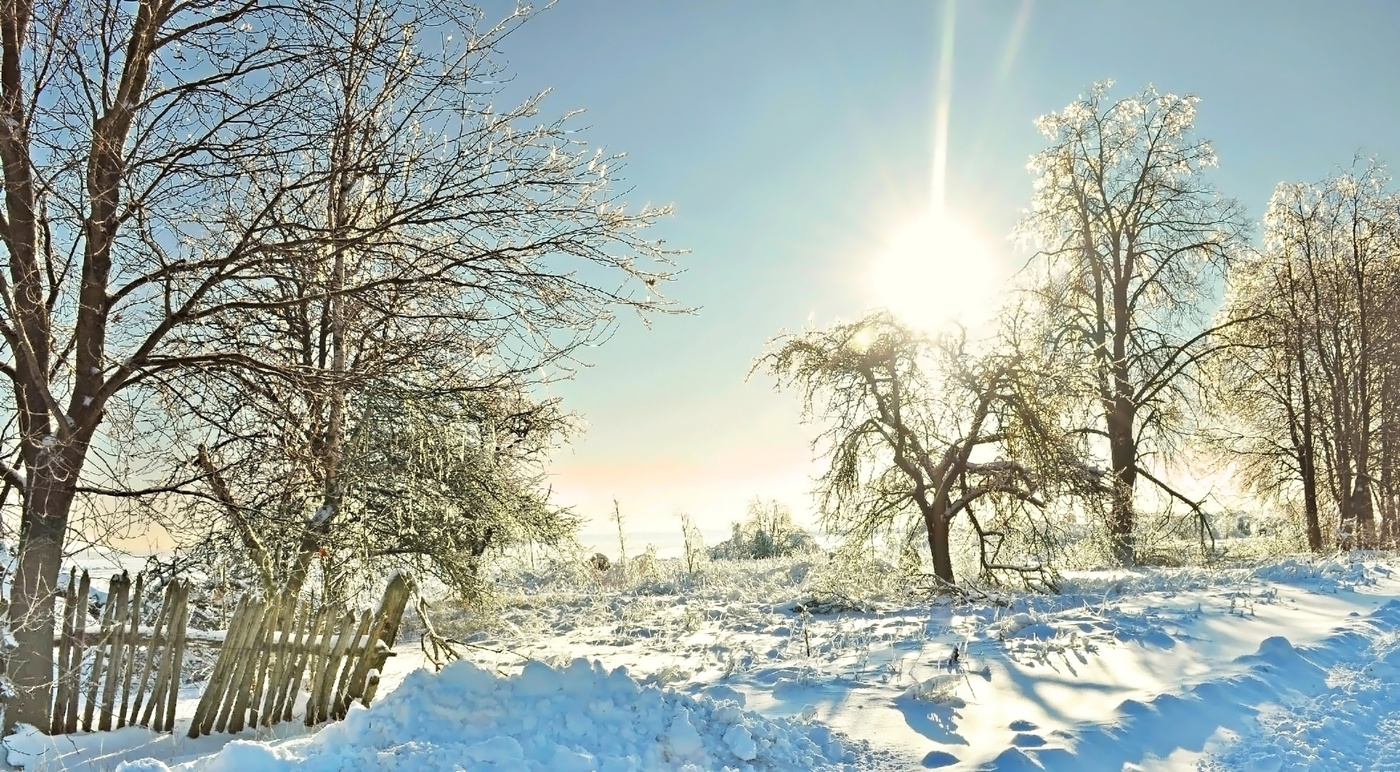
(934, 271)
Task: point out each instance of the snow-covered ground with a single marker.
(1292, 664)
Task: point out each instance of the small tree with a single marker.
(431, 484)
(768, 531)
(912, 425)
(448, 254)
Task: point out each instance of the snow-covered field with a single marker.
(1290, 664)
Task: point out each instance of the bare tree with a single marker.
(1321, 339)
(1131, 243)
(1263, 394)
(168, 171)
(910, 424)
(444, 240)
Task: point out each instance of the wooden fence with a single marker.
(120, 657)
(270, 648)
(273, 645)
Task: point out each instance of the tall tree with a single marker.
(155, 155)
(1322, 335)
(1132, 242)
(445, 242)
(1268, 417)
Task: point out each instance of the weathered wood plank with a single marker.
(320, 632)
(95, 677)
(177, 657)
(278, 663)
(354, 655)
(391, 610)
(252, 658)
(153, 650)
(325, 690)
(134, 620)
(60, 703)
(286, 694)
(228, 715)
(218, 679)
(279, 622)
(76, 650)
(316, 668)
(114, 665)
(167, 682)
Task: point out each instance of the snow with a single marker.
(1293, 663)
(580, 718)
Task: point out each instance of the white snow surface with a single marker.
(1293, 664)
(578, 718)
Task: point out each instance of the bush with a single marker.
(768, 532)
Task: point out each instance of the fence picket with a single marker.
(249, 667)
(65, 641)
(152, 654)
(354, 655)
(239, 665)
(279, 616)
(218, 680)
(177, 657)
(133, 635)
(396, 597)
(75, 655)
(325, 691)
(286, 694)
(384, 629)
(104, 631)
(279, 666)
(114, 663)
(316, 658)
(168, 672)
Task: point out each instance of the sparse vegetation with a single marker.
(768, 531)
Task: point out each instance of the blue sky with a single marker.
(793, 137)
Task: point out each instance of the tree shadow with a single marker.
(935, 720)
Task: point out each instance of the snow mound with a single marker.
(1331, 574)
(580, 718)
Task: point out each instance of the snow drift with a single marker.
(579, 718)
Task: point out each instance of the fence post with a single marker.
(104, 631)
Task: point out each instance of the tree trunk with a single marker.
(1310, 514)
(938, 540)
(43, 525)
(1307, 461)
(1363, 511)
(1123, 457)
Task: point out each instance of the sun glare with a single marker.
(934, 271)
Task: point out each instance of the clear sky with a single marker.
(795, 138)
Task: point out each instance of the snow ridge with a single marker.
(580, 718)
(1328, 707)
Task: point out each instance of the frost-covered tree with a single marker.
(432, 482)
(449, 248)
(1132, 243)
(914, 426)
(280, 189)
(1313, 382)
(767, 531)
